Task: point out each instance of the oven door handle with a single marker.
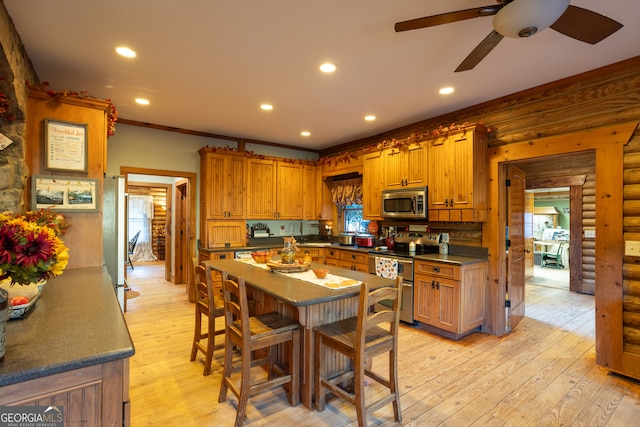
(414, 204)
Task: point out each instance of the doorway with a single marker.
(177, 250)
(561, 193)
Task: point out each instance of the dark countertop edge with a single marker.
(449, 259)
(43, 344)
(47, 370)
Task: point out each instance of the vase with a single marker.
(4, 314)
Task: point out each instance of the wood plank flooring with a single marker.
(542, 374)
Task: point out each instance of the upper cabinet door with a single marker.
(458, 176)
(372, 184)
(261, 189)
(222, 192)
(405, 166)
(289, 190)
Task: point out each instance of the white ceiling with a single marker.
(206, 65)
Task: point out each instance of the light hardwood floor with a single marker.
(542, 374)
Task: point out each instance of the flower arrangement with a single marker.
(31, 248)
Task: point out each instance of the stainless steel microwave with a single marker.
(405, 203)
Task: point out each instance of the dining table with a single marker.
(310, 301)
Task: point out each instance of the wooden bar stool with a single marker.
(251, 333)
(361, 338)
(211, 306)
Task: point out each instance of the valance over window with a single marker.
(347, 192)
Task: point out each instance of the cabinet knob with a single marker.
(436, 269)
(433, 284)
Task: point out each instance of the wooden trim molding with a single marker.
(608, 143)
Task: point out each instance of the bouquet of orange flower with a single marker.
(31, 249)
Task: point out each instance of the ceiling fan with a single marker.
(523, 18)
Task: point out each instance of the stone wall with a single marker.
(15, 70)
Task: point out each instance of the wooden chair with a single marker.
(360, 339)
(251, 333)
(211, 306)
(131, 247)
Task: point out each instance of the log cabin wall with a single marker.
(159, 221)
(631, 227)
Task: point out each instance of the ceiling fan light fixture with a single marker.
(523, 18)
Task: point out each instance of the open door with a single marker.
(515, 183)
(529, 254)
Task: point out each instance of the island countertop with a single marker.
(77, 322)
(296, 292)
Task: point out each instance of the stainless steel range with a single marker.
(399, 262)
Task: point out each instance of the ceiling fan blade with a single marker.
(585, 25)
(480, 51)
(446, 18)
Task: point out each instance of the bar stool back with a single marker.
(360, 339)
(248, 334)
(211, 306)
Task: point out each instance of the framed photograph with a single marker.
(65, 146)
(64, 193)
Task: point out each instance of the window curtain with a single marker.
(140, 216)
(347, 192)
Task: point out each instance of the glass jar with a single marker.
(288, 252)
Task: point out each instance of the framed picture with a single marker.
(64, 193)
(65, 146)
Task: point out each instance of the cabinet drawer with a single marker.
(332, 253)
(354, 257)
(440, 269)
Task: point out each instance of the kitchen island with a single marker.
(310, 304)
(72, 350)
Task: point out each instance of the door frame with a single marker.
(608, 143)
(192, 178)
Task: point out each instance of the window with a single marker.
(353, 221)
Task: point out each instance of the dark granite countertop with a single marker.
(449, 259)
(293, 291)
(77, 322)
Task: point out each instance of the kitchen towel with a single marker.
(386, 267)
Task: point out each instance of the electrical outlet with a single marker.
(589, 234)
(632, 248)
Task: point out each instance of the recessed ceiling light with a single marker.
(266, 107)
(446, 90)
(125, 51)
(305, 133)
(370, 118)
(142, 101)
(327, 67)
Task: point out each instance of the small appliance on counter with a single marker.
(365, 240)
(259, 230)
(347, 239)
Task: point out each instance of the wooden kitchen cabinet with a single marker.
(354, 260)
(458, 177)
(274, 189)
(372, 184)
(405, 166)
(223, 184)
(312, 193)
(220, 234)
(332, 257)
(316, 254)
(449, 298)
